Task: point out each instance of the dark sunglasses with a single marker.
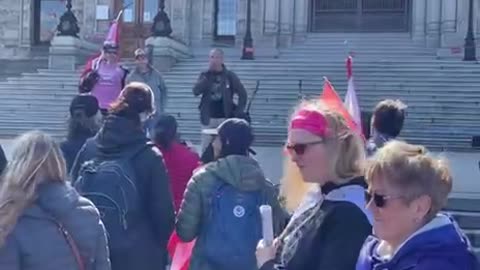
(300, 148)
(379, 200)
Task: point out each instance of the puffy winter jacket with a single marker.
(36, 242)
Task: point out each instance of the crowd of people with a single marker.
(112, 194)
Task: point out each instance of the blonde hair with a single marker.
(36, 159)
(410, 169)
(293, 188)
(347, 155)
(346, 146)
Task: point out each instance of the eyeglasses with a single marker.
(300, 148)
(379, 200)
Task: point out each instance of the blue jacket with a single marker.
(439, 245)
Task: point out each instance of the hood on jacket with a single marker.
(352, 191)
(55, 198)
(241, 172)
(118, 134)
(439, 240)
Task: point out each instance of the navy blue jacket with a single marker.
(439, 245)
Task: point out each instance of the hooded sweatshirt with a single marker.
(154, 220)
(439, 245)
(36, 242)
(241, 172)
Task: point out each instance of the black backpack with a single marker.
(111, 185)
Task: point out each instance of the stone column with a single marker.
(418, 21)
(433, 23)
(208, 19)
(180, 17)
(301, 19)
(270, 19)
(286, 22)
(449, 22)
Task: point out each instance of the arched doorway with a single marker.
(136, 23)
(360, 15)
(225, 25)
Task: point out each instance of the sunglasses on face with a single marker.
(379, 200)
(300, 148)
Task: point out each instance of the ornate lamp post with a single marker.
(68, 25)
(161, 23)
(470, 45)
(248, 50)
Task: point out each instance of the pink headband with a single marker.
(311, 121)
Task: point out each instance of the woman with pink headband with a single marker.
(329, 227)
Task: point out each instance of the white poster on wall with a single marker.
(102, 12)
(147, 17)
(128, 15)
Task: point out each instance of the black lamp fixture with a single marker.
(161, 23)
(68, 25)
(248, 50)
(470, 53)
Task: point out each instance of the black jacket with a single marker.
(3, 160)
(334, 240)
(71, 146)
(231, 86)
(118, 136)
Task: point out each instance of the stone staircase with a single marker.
(443, 96)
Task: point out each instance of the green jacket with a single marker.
(241, 172)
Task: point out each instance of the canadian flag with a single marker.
(351, 100)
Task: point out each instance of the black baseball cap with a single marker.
(237, 132)
(87, 103)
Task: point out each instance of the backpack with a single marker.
(232, 228)
(111, 185)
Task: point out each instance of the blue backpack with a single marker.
(232, 228)
(111, 186)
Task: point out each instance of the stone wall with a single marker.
(10, 11)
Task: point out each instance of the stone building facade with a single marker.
(275, 23)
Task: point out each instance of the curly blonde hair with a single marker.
(413, 172)
(36, 159)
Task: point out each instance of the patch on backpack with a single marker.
(239, 211)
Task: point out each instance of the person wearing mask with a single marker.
(44, 223)
(217, 87)
(407, 189)
(104, 77)
(180, 160)
(221, 204)
(140, 219)
(329, 227)
(387, 123)
(83, 123)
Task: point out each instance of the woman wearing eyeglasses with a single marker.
(407, 189)
(328, 229)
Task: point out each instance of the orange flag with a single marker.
(333, 100)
